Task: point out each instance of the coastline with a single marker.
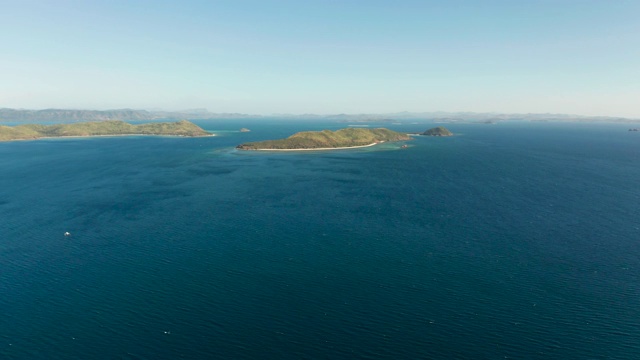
(318, 149)
(92, 136)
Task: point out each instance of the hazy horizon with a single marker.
(318, 57)
(325, 113)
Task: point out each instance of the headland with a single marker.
(100, 128)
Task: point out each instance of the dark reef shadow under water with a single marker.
(513, 241)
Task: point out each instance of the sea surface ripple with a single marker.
(515, 240)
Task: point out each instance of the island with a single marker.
(438, 131)
(328, 140)
(100, 128)
(244, 130)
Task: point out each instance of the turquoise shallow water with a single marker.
(512, 240)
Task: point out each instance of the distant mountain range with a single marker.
(66, 115)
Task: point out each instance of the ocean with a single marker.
(515, 240)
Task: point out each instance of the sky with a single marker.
(324, 57)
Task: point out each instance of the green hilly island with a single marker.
(100, 128)
(327, 139)
(438, 131)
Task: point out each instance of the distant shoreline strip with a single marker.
(91, 136)
(320, 149)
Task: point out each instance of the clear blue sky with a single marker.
(307, 56)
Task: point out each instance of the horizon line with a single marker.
(207, 111)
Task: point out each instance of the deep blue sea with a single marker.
(515, 240)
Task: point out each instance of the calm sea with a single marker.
(515, 240)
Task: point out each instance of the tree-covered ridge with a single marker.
(438, 131)
(328, 139)
(98, 128)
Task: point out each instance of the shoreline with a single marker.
(317, 149)
(91, 136)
